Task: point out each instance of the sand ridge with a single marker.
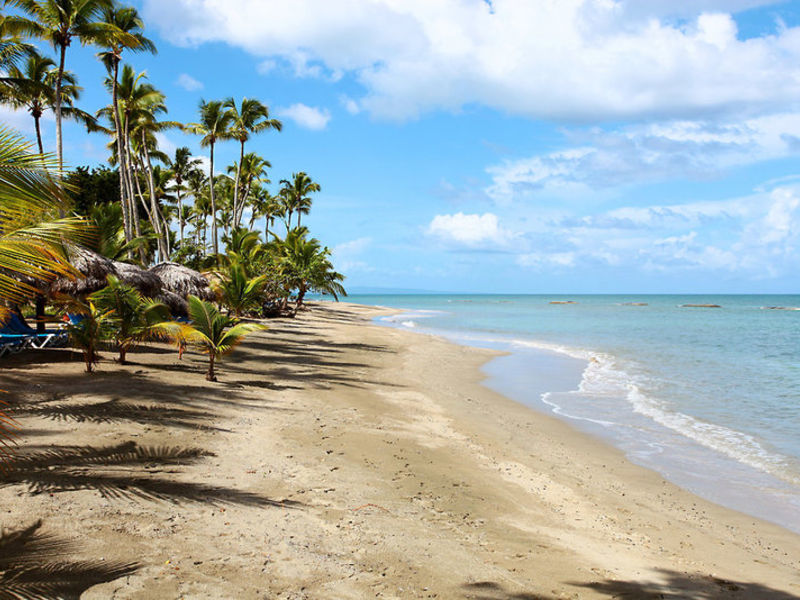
(339, 459)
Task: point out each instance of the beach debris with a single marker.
(370, 505)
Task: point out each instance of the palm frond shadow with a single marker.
(676, 586)
(114, 410)
(489, 590)
(125, 471)
(32, 567)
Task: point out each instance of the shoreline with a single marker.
(342, 459)
(743, 488)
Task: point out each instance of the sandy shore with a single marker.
(337, 459)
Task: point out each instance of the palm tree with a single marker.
(295, 196)
(132, 318)
(90, 331)
(60, 22)
(250, 117)
(182, 165)
(306, 266)
(265, 205)
(126, 20)
(214, 125)
(252, 171)
(236, 290)
(32, 87)
(209, 330)
(31, 240)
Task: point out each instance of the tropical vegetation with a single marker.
(144, 206)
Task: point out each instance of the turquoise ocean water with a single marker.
(709, 397)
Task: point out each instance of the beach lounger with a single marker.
(50, 338)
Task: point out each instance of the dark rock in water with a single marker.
(563, 302)
(634, 304)
(780, 308)
(700, 306)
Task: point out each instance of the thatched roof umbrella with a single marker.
(175, 303)
(143, 280)
(94, 268)
(182, 280)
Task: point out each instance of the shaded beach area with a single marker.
(340, 459)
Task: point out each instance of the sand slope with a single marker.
(337, 459)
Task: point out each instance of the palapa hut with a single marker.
(94, 268)
(182, 281)
(176, 304)
(143, 280)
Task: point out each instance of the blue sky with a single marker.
(553, 146)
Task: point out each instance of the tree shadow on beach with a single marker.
(114, 411)
(489, 590)
(679, 586)
(125, 471)
(36, 565)
(672, 586)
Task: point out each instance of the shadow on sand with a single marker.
(125, 471)
(36, 565)
(672, 586)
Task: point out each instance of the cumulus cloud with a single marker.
(756, 235)
(348, 256)
(572, 59)
(189, 83)
(647, 153)
(308, 117)
(470, 231)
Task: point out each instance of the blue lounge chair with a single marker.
(50, 338)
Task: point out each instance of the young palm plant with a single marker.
(88, 331)
(133, 318)
(214, 333)
(238, 292)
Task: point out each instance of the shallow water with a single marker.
(709, 397)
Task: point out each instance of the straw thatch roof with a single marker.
(175, 303)
(182, 280)
(94, 268)
(143, 280)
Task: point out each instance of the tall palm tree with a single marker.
(250, 117)
(265, 205)
(214, 126)
(182, 164)
(295, 195)
(252, 170)
(32, 87)
(127, 21)
(60, 22)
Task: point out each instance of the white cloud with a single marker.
(572, 59)
(757, 236)
(347, 256)
(646, 153)
(308, 117)
(189, 83)
(470, 230)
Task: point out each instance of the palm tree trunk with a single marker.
(211, 376)
(155, 213)
(124, 202)
(213, 205)
(59, 80)
(36, 119)
(180, 211)
(236, 218)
